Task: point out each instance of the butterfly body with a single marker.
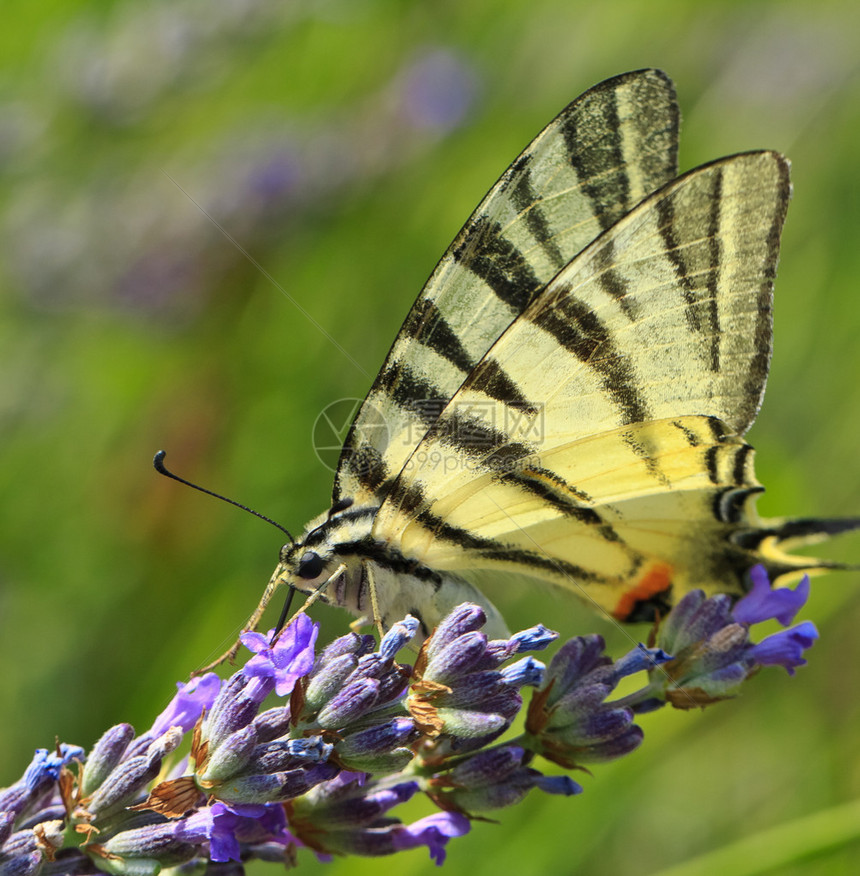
(568, 397)
(372, 578)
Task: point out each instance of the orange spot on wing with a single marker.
(655, 580)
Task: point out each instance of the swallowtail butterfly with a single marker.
(568, 396)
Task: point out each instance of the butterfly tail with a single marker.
(775, 537)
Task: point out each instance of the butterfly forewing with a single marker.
(613, 401)
(606, 151)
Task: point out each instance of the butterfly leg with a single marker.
(357, 625)
(313, 597)
(275, 582)
(375, 616)
(230, 655)
(374, 600)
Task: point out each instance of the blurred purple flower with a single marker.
(439, 89)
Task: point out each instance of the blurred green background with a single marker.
(341, 144)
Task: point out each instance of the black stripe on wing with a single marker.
(492, 549)
(526, 199)
(589, 157)
(425, 320)
(489, 255)
(684, 244)
(580, 331)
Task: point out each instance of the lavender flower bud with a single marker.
(351, 643)
(710, 642)
(465, 618)
(287, 754)
(525, 672)
(380, 749)
(325, 683)
(22, 849)
(272, 723)
(493, 779)
(231, 710)
(24, 864)
(534, 639)
(7, 823)
(569, 721)
(457, 658)
(126, 782)
(349, 703)
(352, 804)
(105, 756)
(274, 787)
(230, 757)
(397, 637)
(139, 848)
(123, 786)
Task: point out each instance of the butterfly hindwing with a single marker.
(606, 151)
(609, 538)
(615, 399)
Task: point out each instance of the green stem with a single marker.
(774, 849)
(655, 689)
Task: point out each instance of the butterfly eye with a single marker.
(311, 565)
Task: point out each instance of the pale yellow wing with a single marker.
(632, 524)
(606, 151)
(595, 441)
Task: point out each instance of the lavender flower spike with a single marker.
(301, 750)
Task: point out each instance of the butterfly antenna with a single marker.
(158, 462)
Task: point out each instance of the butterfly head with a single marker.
(304, 566)
(322, 550)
